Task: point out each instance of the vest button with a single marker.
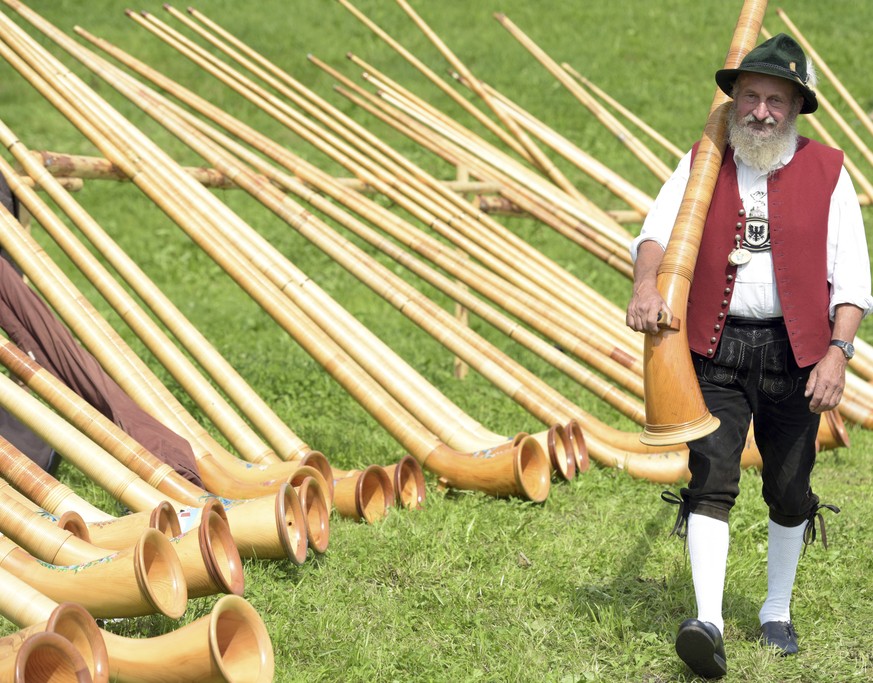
(717, 328)
(727, 290)
(709, 352)
(741, 212)
(724, 302)
(721, 315)
(739, 226)
(713, 340)
(730, 278)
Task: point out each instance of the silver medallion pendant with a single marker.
(739, 256)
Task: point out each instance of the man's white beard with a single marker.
(762, 152)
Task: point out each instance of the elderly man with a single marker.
(781, 284)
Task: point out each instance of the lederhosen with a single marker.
(756, 370)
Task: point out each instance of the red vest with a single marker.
(798, 199)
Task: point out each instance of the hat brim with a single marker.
(725, 79)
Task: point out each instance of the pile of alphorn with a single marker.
(272, 498)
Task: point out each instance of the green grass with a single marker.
(587, 586)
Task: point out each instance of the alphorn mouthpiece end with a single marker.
(350, 55)
(145, 13)
(190, 10)
(500, 16)
(167, 6)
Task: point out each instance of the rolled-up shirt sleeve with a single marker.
(659, 222)
(848, 258)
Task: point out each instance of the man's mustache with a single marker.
(750, 118)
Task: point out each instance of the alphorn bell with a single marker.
(69, 621)
(45, 657)
(675, 410)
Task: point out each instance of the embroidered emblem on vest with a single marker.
(756, 236)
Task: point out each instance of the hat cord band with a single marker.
(777, 67)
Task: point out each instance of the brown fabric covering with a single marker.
(34, 329)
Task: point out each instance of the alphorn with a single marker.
(465, 104)
(44, 657)
(147, 579)
(670, 417)
(215, 475)
(512, 141)
(624, 111)
(229, 645)
(67, 620)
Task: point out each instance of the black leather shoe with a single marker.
(781, 635)
(699, 644)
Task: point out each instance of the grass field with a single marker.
(586, 586)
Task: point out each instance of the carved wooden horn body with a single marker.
(675, 410)
(74, 624)
(231, 644)
(145, 579)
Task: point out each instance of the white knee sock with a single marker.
(783, 553)
(708, 549)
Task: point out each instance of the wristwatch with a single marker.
(848, 349)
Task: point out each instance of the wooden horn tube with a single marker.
(45, 657)
(515, 469)
(117, 533)
(229, 644)
(145, 579)
(832, 431)
(408, 480)
(209, 556)
(72, 622)
(674, 417)
(367, 495)
(270, 527)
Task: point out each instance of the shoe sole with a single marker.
(695, 647)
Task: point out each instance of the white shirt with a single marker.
(755, 291)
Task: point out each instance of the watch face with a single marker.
(849, 350)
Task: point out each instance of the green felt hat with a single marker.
(779, 56)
